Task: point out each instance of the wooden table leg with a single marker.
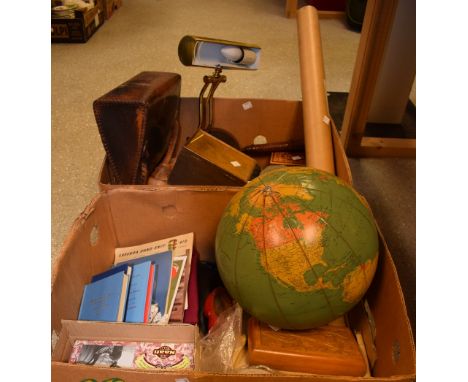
(291, 8)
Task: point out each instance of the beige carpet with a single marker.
(144, 35)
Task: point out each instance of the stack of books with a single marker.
(148, 283)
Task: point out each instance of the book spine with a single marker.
(138, 292)
(149, 292)
(123, 298)
(162, 277)
(82, 305)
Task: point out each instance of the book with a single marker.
(178, 264)
(162, 275)
(138, 291)
(149, 292)
(105, 299)
(191, 314)
(181, 245)
(288, 158)
(109, 272)
(134, 355)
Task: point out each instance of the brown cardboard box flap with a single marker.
(117, 331)
(274, 120)
(131, 215)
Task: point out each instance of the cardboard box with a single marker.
(246, 119)
(117, 331)
(131, 215)
(77, 30)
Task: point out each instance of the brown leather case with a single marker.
(327, 350)
(136, 121)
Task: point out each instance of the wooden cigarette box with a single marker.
(328, 350)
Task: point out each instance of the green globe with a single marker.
(297, 247)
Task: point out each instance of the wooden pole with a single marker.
(317, 121)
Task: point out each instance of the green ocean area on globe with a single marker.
(297, 247)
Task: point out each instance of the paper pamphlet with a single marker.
(178, 264)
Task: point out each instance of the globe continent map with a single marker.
(297, 247)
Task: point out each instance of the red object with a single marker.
(329, 5)
(149, 293)
(191, 314)
(217, 301)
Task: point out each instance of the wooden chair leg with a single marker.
(291, 8)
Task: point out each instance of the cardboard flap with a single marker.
(394, 338)
(247, 119)
(87, 250)
(131, 215)
(168, 214)
(382, 319)
(119, 331)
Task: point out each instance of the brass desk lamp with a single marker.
(214, 151)
(217, 54)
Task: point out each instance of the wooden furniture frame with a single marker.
(290, 11)
(376, 30)
(291, 8)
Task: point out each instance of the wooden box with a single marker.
(77, 30)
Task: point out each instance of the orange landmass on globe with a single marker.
(268, 196)
(288, 251)
(358, 280)
(287, 224)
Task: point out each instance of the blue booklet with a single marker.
(137, 294)
(162, 277)
(109, 272)
(105, 299)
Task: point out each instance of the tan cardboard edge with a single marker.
(120, 331)
(224, 106)
(341, 165)
(61, 346)
(162, 375)
(75, 227)
(399, 290)
(278, 374)
(215, 377)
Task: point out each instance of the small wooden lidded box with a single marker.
(330, 349)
